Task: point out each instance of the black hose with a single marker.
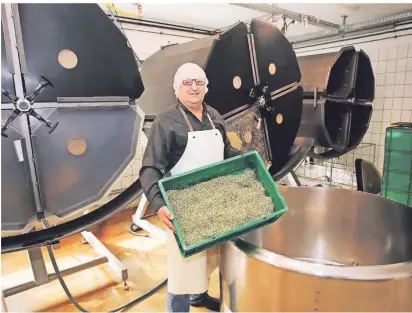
(79, 307)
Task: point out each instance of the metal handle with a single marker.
(13, 98)
(19, 109)
(39, 89)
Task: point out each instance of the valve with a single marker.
(24, 106)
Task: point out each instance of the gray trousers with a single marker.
(180, 303)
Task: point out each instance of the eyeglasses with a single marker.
(189, 82)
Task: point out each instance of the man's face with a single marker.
(192, 91)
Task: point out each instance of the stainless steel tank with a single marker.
(334, 250)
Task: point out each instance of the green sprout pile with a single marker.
(221, 204)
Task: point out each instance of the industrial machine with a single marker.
(254, 82)
(339, 89)
(335, 250)
(70, 82)
(66, 101)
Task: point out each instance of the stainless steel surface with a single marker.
(334, 250)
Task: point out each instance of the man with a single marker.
(187, 135)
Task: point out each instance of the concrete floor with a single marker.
(97, 289)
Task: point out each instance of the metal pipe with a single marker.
(159, 33)
(274, 9)
(362, 42)
(193, 30)
(390, 21)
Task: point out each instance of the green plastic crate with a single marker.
(235, 165)
(397, 168)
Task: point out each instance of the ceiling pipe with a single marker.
(274, 9)
(388, 21)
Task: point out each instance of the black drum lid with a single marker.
(278, 66)
(342, 75)
(347, 112)
(229, 71)
(84, 36)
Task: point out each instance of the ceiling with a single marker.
(220, 15)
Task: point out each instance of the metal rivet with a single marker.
(279, 118)
(237, 82)
(67, 59)
(272, 69)
(77, 146)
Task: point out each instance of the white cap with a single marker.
(188, 71)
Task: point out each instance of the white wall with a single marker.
(147, 40)
(392, 66)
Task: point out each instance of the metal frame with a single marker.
(10, 10)
(274, 9)
(335, 163)
(354, 28)
(153, 230)
(293, 179)
(36, 260)
(42, 277)
(332, 28)
(113, 262)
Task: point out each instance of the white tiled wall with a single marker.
(393, 97)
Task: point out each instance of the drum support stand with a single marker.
(154, 231)
(42, 277)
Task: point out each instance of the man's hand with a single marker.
(165, 215)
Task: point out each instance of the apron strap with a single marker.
(210, 120)
(186, 119)
(188, 123)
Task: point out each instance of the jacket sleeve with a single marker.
(155, 160)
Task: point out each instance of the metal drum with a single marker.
(334, 250)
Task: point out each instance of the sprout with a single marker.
(219, 205)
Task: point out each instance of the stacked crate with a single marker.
(397, 168)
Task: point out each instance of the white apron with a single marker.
(191, 275)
